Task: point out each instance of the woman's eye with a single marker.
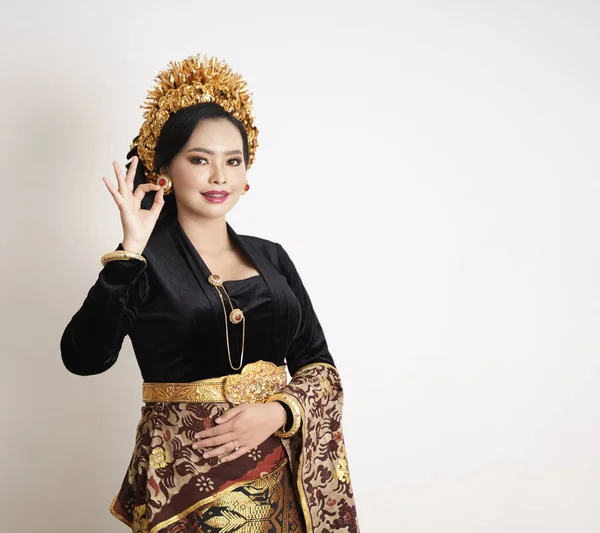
(235, 161)
(196, 160)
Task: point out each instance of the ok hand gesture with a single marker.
(137, 223)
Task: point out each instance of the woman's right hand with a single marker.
(137, 223)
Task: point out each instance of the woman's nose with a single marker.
(218, 175)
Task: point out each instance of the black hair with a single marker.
(173, 136)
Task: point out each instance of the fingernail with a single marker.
(194, 446)
(205, 455)
(217, 419)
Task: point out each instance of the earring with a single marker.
(165, 182)
(246, 188)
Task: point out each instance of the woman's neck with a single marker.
(208, 235)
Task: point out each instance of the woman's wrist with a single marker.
(130, 246)
(280, 415)
(289, 416)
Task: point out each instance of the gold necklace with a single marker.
(236, 316)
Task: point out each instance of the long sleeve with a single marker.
(91, 342)
(309, 345)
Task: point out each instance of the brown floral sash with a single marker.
(318, 454)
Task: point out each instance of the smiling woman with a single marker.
(203, 150)
(225, 442)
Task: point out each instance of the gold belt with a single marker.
(256, 383)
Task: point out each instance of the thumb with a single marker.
(228, 415)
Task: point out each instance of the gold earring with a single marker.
(246, 188)
(165, 182)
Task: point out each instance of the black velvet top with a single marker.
(174, 316)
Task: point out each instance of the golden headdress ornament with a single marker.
(182, 84)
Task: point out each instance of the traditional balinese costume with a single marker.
(172, 307)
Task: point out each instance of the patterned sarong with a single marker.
(296, 485)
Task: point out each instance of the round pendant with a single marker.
(215, 279)
(236, 316)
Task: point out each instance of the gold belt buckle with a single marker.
(256, 383)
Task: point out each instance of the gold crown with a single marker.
(194, 80)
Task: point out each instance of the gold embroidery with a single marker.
(204, 504)
(197, 505)
(326, 386)
(300, 485)
(209, 390)
(254, 508)
(158, 457)
(140, 522)
(255, 384)
(341, 467)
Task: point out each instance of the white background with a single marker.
(431, 168)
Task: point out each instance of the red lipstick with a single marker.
(215, 197)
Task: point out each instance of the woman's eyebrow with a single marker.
(226, 152)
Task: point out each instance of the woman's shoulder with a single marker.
(260, 242)
(273, 251)
(265, 247)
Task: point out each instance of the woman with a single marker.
(224, 442)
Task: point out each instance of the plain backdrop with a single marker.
(432, 169)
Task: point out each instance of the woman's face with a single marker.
(209, 173)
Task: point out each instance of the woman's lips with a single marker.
(216, 197)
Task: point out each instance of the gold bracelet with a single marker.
(286, 415)
(121, 254)
(295, 407)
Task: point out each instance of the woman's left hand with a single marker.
(245, 426)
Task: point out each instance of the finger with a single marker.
(120, 178)
(229, 414)
(118, 171)
(215, 441)
(159, 201)
(234, 454)
(142, 189)
(214, 431)
(225, 449)
(131, 172)
(113, 191)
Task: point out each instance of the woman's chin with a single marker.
(212, 211)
